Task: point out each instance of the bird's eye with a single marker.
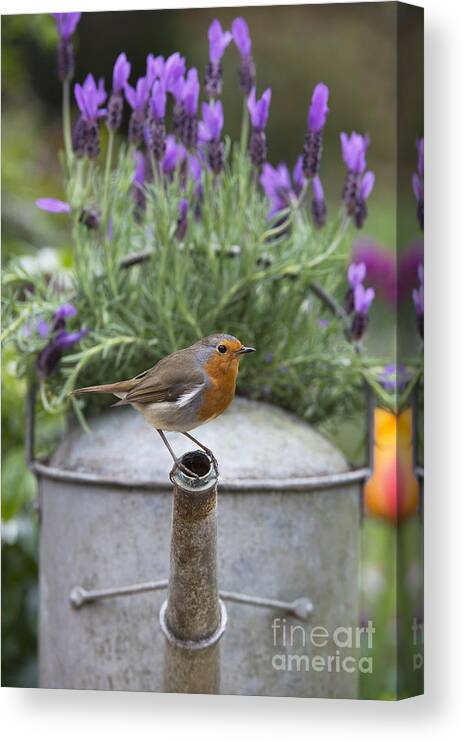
(222, 349)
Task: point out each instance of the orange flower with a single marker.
(392, 491)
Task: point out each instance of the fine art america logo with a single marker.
(304, 649)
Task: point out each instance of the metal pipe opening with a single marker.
(197, 462)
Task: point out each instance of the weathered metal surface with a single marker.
(193, 607)
(191, 617)
(270, 543)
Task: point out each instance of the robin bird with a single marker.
(184, 390)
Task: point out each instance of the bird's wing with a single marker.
(166, 382)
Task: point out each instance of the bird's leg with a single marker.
(207, 451)
(177, 463)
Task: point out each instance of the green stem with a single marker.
(88, 185)
(244, 127)
(106, 181)
(15, 324)
(79, 414)
(278, 270)
(67, 122)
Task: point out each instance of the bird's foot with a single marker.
(213, 459)
(185, 470)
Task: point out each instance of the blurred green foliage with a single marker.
(391, 596)
(19, 539)
(29, 167)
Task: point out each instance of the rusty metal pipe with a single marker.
(193, 618)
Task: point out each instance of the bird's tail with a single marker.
(119, 388)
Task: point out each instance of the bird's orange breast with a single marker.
(220, 392)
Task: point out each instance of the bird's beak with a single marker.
(245, 350)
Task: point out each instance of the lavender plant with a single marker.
(178, 232)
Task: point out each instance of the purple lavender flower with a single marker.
(318, 109)
(358, 184)
(66, 25)
(171, 73)
(298, 175)
(181, 225)
(53, 205)
(257, 148)
(190, 102)
(366, 186)
(419, 302)
(59, 339)
(158, 100)
(358, 300)
(64, 311)
(259, 111)
(247, 72)
(190, 92)
(138, 183)
(90, 217)
(154, 131)
(50, 356)
(356, 274)
(121, 72)
(241, 36)
(354, 150)
(316, 119)
(89, 97)
(154, 70)
(168, 71)
(361, 210)
(318, 203)
(417, 183)
(276, 182)
(137, 99)
(278, 186)
(210, 129)
(363, 299)
(211, 126)
(219, 40)
(174, 69)
(174, 155)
